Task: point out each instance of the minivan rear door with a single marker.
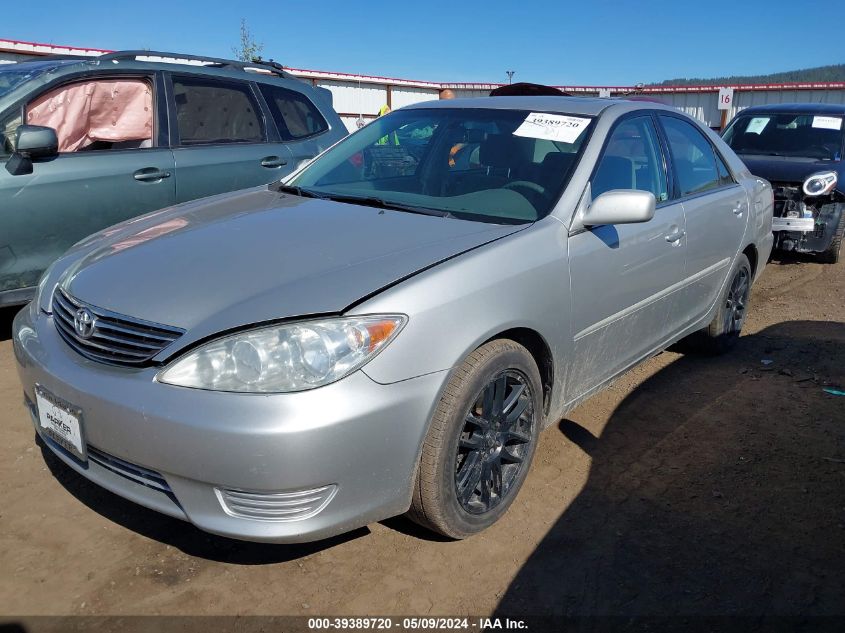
(221, 137)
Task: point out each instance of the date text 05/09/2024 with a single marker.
(417, 624)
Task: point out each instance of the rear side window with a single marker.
(295, 115)
(632, 160)
(209, 112)
(692, 157)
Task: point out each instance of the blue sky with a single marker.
(569, 43)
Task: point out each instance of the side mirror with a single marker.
(32, 142)
(620, 206)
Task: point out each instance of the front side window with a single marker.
(97, 114)
(211, 112)
(632, 159)
(477, 164)
(8, 128)
(798, 135)
(692, 157)
(296, 117)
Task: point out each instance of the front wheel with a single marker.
(481, 441)
(724, 330)
(834, 251)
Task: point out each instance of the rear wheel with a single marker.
(481, 441)
(724, 330)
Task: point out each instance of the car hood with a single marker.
(259, 255)
(789, 169)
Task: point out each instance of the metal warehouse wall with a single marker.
(357, 96)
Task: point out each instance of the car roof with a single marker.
(798, 108)
(564, 105)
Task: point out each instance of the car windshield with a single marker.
(13, 75)
(796, 135)
(502, 166)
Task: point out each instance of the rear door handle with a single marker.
(273, 162)
(739, 209)
(150, 174)
(675, 236)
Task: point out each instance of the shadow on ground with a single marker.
(717, 488)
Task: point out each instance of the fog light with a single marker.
(294, 505)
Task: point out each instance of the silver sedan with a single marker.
(390, 329)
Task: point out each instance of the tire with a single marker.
(724, 330)
(455, 493)
(834, 251)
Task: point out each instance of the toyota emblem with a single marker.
(84, 322)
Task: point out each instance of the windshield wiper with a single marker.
(379, 203)
(297, 191)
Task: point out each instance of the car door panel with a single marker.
(716, 210)
(79, 192)
(222, 140)
(624, 278)
(623, 281)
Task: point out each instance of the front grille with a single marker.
(113, 338)
(275, 506)
(138, 474)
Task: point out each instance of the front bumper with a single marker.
(356, 440)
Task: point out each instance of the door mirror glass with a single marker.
(36, 141)
(621, 206)
(32, 142)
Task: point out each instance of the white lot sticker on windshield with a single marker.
(757, 124)
(552, 127)
(828, 122)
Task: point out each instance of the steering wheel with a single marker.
(533, 186)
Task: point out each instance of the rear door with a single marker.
(113, 164)
(623, 276)
(716, 209)
(298, 121)
(222, 139)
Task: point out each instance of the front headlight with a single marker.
(285, 358)
(820, 184)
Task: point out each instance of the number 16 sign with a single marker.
(726, 98)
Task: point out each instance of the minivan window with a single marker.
(97, 114)
(632, 159)
(476, 164)
(692, 157)
(210, 112)
(295, 116)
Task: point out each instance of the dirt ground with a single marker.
(696, 486)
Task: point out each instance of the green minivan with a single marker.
(89, 142)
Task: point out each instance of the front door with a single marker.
(109, 169)
(623, 276)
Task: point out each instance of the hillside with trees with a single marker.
(835, 72)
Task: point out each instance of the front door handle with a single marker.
(273, 162)
(150, 174)
(675, 236)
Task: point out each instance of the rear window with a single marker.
(798, 135)
(295, 115)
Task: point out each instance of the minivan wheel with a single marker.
(481, 441)
(834, 251)
(724, 330)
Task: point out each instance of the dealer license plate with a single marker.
(61, 422)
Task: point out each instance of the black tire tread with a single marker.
(834, 251)
(426, 509)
